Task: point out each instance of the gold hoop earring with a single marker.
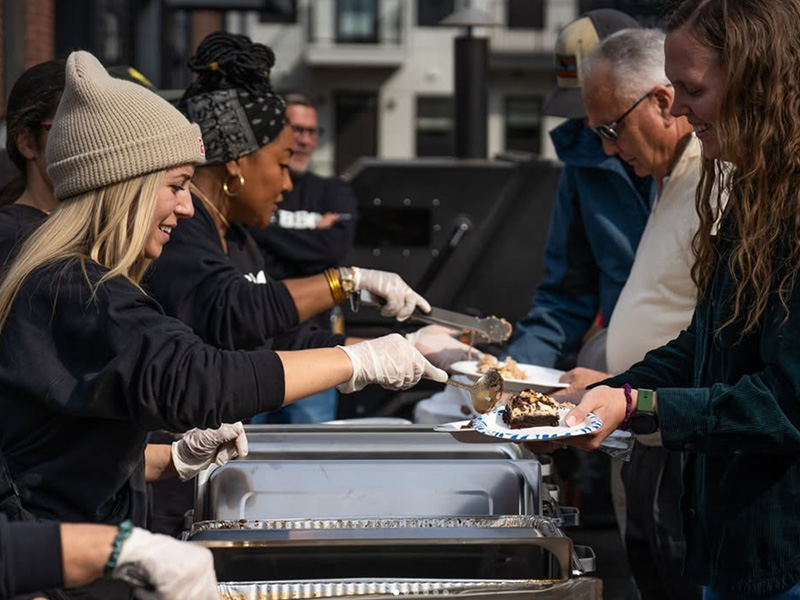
(226, 187)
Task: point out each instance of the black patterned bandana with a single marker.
(235, 122)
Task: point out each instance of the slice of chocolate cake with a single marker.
(531, 409)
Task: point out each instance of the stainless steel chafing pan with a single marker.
(398, 442)
(420, 553)
(370, 488)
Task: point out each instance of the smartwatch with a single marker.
(644, 419)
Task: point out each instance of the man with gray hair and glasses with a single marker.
(628, 100)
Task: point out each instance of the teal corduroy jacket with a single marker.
(732, 403)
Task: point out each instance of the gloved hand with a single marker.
(400, 299)
(198, 448)
(162, 568)
(390, 361)
(439, 346)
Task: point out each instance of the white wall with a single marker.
(426, 69)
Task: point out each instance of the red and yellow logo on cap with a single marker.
(566, 66)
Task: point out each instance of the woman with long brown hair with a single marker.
(727, 389)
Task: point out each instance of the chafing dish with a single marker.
(368, 441)
(369, 488)
(250, 531)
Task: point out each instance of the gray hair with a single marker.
(636, 58)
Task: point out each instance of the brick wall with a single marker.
(38, 39)
(203, 23)
(2, 59)
(39, 31)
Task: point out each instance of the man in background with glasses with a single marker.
(312, 230)
(628, 101)
(599, 213)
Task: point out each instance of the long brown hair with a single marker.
(757, 43)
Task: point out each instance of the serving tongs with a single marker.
(493, 330)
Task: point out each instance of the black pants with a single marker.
(653, 481)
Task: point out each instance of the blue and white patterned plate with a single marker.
(492, 424)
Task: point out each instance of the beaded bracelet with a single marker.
(628, 406)
(125, 530)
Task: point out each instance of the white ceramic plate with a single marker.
(492, 424)
(540, 379)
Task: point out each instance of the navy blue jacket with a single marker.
(600, 212)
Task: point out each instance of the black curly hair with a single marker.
(232, 97)
(230, 61)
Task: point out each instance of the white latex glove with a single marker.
(162, 568)
(198, 448)
(390, 361)
(439, 346)
(400, 299)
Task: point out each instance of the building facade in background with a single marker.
(380, 71)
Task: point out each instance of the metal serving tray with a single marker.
(413, 552)
(288, 489)
(583, 558)
(309, 442)
(537, 526)
(585, 588)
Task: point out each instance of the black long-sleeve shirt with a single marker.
(227, 300)
(30, 557)
(84, 377)
(17, 221)
(292, 245)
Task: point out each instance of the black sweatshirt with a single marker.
(84, 377)
(17, 221)
(30, 557)
(292, 245)
(227, 300)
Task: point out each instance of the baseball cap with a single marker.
(575, 41)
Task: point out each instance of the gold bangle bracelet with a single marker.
(335, 286)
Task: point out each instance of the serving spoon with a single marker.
(485, 392)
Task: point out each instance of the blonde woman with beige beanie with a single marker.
(89, 363)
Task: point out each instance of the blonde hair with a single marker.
(109, 226)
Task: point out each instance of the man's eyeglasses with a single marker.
(609, 131)
(312, 131)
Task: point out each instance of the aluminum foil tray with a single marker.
(281, 590)
(543, 526)
(585, 588)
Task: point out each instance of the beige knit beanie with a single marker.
(107, 130)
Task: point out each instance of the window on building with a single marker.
(430, 12)
(357, 21)
(435, 132)
(278, 11)
(525, 14)
(524, 123)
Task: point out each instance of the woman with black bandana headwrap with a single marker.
(211, 276)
